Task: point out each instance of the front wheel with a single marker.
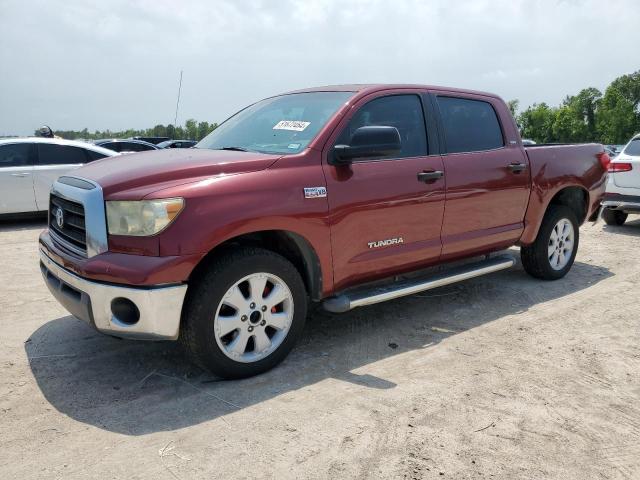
(614, 217)
(244, 315)
(553, 252)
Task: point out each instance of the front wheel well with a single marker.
(290, 245)
(576, 198)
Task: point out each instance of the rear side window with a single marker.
(15, 155)
(401, 111)
(91, 155)
(633, 148)
(115, 146)
(469, 125)
(51, 154)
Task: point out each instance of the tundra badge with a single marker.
(384, 243)
(315, 192)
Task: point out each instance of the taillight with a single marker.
(620, 167)
(605, 160)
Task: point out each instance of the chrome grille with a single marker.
(67, 224)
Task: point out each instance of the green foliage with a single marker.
(536, 123)
(588, 116)
(192, 130)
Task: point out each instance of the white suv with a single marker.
(623, 186)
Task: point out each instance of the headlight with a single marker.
(142, 218)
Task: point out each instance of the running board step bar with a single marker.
(350, 300)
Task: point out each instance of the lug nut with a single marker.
(253, 305)
(243, 318)
(264, 308)
(251, 329)
(263, 323)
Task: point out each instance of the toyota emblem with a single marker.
(60, 217)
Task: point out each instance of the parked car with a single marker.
(126, 146)
(526, 141)
(177, 144)
(623, 186)
(29, 166)
(347, 196)
(154, 140)
(612, 150)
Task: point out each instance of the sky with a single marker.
(115, 64)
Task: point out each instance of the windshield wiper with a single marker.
(234, 149)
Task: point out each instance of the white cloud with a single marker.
(115, 64)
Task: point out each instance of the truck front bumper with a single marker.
(148, 313)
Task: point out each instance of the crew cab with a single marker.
(345, 196)
(622, 196)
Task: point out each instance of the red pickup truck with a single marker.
(346, 196)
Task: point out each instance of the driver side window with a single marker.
(403, 112)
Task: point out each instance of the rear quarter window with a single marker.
(469, 125)
(93, 155)
(633, 148)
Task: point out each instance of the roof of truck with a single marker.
(373, 87)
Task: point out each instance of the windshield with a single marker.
(284, 124)
(633, 148)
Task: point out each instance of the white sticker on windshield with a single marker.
(294, 125)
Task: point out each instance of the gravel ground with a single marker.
(498, 377)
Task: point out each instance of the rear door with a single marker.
(54, 160)
(384, 219)
(487, 175)
(16, 178)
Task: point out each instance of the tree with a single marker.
(536, 123)
(513, 106)
(586, 105)
(159, 131)
(191, 129)
(619, 118)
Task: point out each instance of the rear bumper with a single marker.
(627, 203)
(159, 307)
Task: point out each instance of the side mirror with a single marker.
(368, 142)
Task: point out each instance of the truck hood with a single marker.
(136, 175)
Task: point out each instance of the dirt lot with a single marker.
(499, 377)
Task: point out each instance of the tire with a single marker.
(614, 217)
(538, 259)
(222, 299)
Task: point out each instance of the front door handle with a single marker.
(516, 167)
(21, 174)
(429, 177)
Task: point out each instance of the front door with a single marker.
(488, 176)
(16, 178)
(385, 217)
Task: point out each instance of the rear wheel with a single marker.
(614, 217)
(244, 315)
(553, 252)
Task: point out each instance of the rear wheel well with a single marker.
(576, 198)
(291, 246)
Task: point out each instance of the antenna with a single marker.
(175, 119)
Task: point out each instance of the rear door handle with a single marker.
(428, 177)
(21, 174)
(517, 167)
